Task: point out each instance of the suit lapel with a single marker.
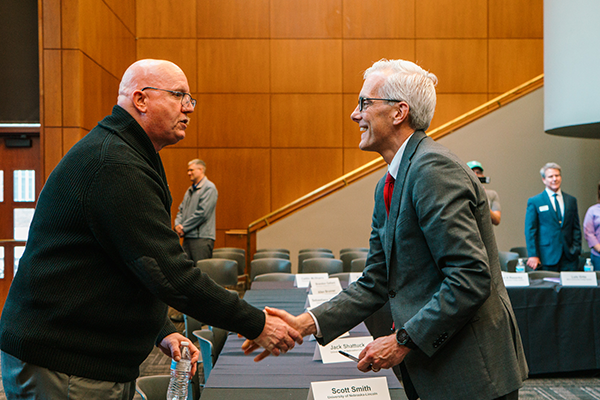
(409, 151)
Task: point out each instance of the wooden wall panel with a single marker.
(351, 131)
(233, 66)
(72, 67)
(125, 11)
(358, 55)
(166, 18)
(450, 106)
(70, 24)
(356, 158)
(175, 162)
(306, 120)
(379, 19)
(306, 66)
(451, 19)
(513, 62)
(70, 137)
(99, 93)
(50, 15)
(242, 177)
(52, 88)
(516, 19)
(234, 120)
(467, 73)
(296, 172)
(52, 150)
(101, 33)
(233, 19)
(306, 19)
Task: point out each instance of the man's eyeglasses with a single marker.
(364, 102)
(186, 98)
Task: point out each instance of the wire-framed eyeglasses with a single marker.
(364, 102)
(186, 98)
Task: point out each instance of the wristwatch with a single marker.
(404, 340)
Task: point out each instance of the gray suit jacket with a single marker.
(435, 260)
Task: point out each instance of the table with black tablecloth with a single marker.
(236, 376)
(560, 326)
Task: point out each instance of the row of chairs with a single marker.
(509, 259)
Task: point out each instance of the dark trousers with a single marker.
(563, 265)
(198, 249)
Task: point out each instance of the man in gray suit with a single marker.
(432, 255)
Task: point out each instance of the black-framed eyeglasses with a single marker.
(186, 98)
(364, 100)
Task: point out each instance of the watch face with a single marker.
(402, 337)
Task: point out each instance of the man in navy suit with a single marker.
(552, 227)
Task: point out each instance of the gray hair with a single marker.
(406, 81)
(550, 165)
(199, 162)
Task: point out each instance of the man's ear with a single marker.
(401, 113)
(140, 101)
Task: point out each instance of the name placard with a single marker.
(315, 300)
(370, 388)
(514, 279)
(330, 353)
(303, 280)
(577, 278)
(354, 276)
(329, 286)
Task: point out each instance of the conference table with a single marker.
(559, 325)
(237, 376)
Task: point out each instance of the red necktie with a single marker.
(388, 189)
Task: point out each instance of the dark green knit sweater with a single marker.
(102, 260)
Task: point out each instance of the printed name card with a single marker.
(354, 276)
(514, 279)
(329, 286)
(315, 300)
(370, 388)
(576, 278)
(303, 280)
(330, 353)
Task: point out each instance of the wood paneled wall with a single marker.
(276, 80)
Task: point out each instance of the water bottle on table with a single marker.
(180, 374)
(520, 266)
(588, 267)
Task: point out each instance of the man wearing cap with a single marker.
(492, 195)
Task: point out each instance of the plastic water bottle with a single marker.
(520, 266)
(588, 267)
(180, 375)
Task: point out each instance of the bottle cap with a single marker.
(185, 343)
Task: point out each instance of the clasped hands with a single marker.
(383, 352)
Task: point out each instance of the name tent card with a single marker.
(303, 280)
(370, 388)
(330, 353)
(354, 276)
(577, 278)
(514, 279)
(329, 286)
(315, 300)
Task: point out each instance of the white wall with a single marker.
(511, 145)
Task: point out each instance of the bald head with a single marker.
(144, 73)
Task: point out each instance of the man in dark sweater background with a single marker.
(101, 264)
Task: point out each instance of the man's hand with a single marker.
(170, 346)
(300, 325)
(179, 230)
(533, 262)
(384, 352)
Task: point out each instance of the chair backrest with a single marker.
(511, 265)
(268, 265)
(543, 274)
(153, 387)
(314, 265)
(271, 254)
(504, 256)
(321, 249)
(275, 277)
(222, 271)
(273, 250)
(191, 325)
(363, 249)
(236, 249)
(520, 250)
(358, 264)
(348, 256)
(312, 254)
(211, 342)
(239, 258)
